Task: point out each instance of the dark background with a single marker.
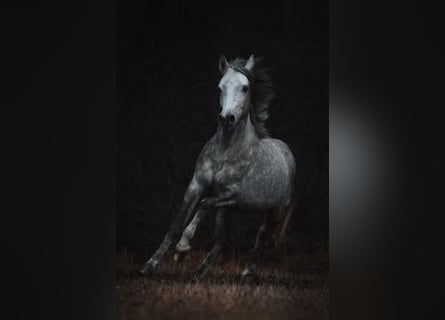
(58, 159)
(167, 76)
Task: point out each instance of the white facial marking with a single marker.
(233, 98)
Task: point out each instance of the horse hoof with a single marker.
(146, 270)
(246, 273)
(179, 256)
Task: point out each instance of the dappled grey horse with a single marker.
(240, 167)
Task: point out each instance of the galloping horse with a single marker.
(240, 167)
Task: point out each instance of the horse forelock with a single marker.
(261, 93)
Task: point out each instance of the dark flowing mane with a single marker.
(261, 93)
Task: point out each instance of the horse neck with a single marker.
(244, 133)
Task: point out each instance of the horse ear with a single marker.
(250, 63)
(223, 65)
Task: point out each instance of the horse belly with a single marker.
(265, 191)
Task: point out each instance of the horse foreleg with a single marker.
(184, 243)
(220, 237)
(188, 207)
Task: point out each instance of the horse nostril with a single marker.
(231, 118)
(221, 118)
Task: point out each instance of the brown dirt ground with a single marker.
(290, 283)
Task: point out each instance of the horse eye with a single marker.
(245, 88)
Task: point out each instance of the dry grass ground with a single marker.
(290, 283)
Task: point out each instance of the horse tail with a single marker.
(293, 205)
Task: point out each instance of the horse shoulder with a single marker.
(204, 169)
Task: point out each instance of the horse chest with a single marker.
(228, 172)
(226, 176)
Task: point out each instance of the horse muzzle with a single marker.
(227, 121)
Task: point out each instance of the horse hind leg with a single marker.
(220, 238)
(270, 221)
